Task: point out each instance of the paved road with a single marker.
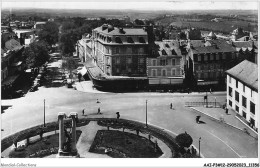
(217, 140)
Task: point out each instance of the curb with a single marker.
(217, 119)
(247, 126)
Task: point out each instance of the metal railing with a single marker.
(207, 104)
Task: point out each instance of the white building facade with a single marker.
(242, 92)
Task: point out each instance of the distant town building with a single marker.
(165, 66)
(39, 25)
(239, 33)
(26, 36)
(120, 51)
(193, 34)
(242, 92)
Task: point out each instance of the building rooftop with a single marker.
(12, 44)
(246, 72)
(168, 48)
(216, 46)
(110, 30)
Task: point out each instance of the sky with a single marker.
(138, 5)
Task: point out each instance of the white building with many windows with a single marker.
(242, 92)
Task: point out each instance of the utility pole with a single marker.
(206, 98)
(199, 146)
(146, 114)
(43, 112)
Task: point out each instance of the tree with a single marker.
(184, 140)
(36, 54)
(67, 42)
(69, 64)
(138, 22)
(49, 33)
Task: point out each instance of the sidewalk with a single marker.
(86, 86)
(220, 115)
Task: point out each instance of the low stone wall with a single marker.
(107, 122)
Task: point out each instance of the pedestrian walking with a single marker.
(226, 110)
(98, 111)
(198, 119)
(83, 112)
(171, 106)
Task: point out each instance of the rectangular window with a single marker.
(252, 107)
(236, 83)
(117, 70)
(135, 50)
(199, 58)
(129, 70)
(129, 60)
(244, 88)
(173, 61)
(173, 72)
(211, 57)
(237, 96)
(117, 50)
(141, 60)
(117, 60)
(252, 121)
(230, 103)
(244, 114)
(164, 72)
(154, 62)
(223, 56)
(230, 92)
(154, 72)
(206, 75)
(162, 62)
(217, 56)
(244, 101)
(205, 57)
(237, 109)
(251, 93)
(129, 50)
(229, 79)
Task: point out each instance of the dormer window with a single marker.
(109, 39)
(167, 45)
(164, 52)
(173, 52)
(129, 40)
(141, 40)
(118, 40)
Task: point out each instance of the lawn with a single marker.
(120, 144)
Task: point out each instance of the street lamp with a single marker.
(146, 113)
(43, 112)
(199, 146)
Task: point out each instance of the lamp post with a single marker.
(146, 113)
(43, 112)
(199, 146)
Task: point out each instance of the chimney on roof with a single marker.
(104, 27)
(121, 30)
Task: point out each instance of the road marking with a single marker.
(225, 144)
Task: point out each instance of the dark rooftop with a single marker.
(246, 72)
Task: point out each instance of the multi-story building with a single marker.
(84, 48)
(209, 62)
(11, 64)
(120, 51)
(242, 92)
(165, 65)
(245, 50)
